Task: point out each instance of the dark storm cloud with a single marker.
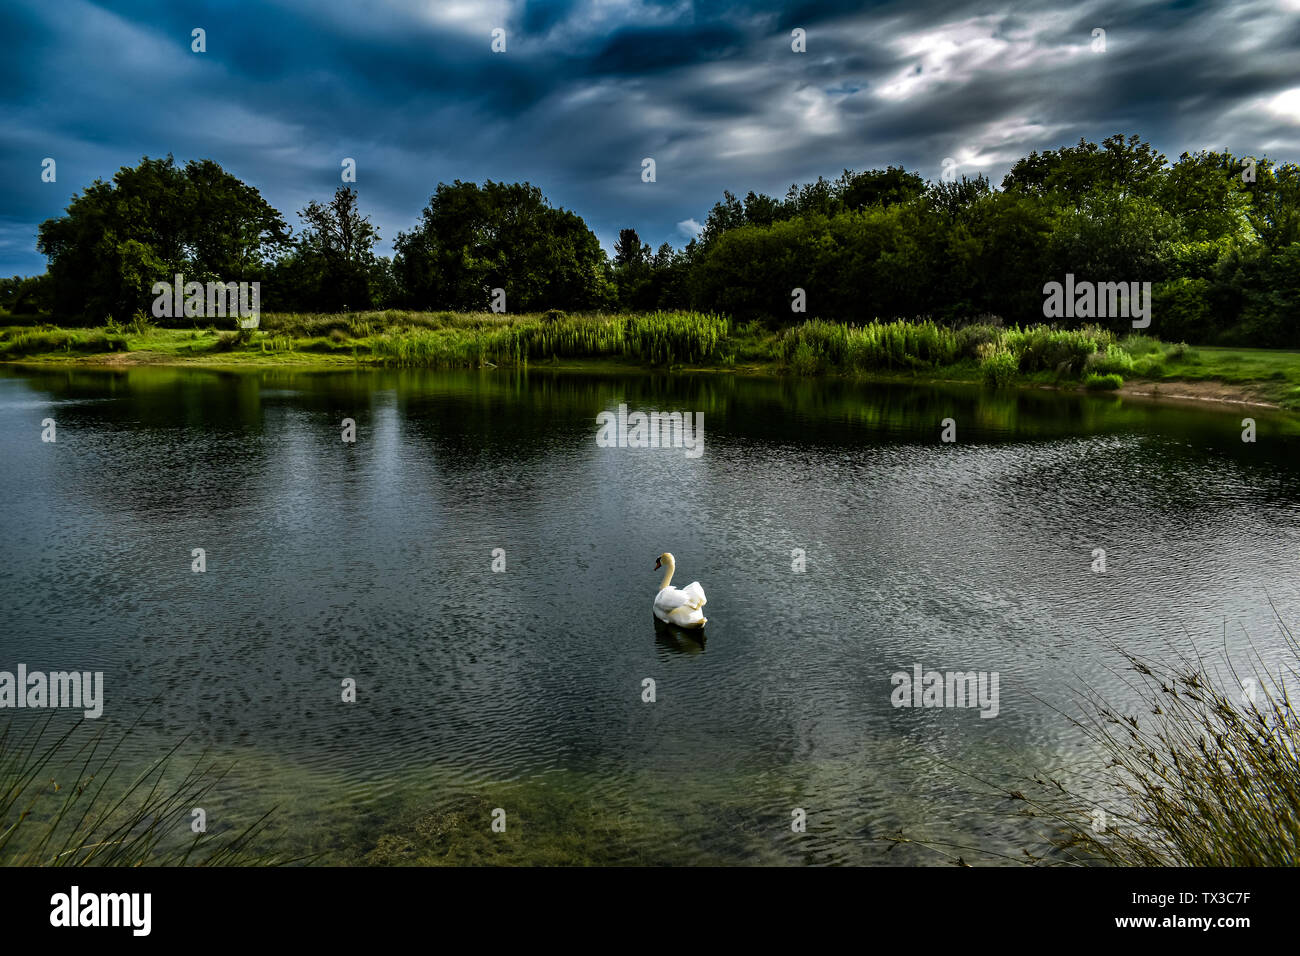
(588, 88)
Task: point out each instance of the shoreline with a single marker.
(1170, 392)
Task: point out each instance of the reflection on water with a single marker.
(373, 561)
(677, 640)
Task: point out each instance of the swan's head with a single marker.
(665, 557)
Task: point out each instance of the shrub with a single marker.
(1113, 360)
(999, 367)
(805, 360)
(972, 337)
(1044, 349)
(1102, 383)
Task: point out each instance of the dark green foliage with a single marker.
(1073, 172)
(333, 267)
(25, 296)
(474, 239)
(152, 221)
(1216, 235)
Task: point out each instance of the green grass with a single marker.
(1102, 383)
(1273, 375)
(21, 342)
(996, 356)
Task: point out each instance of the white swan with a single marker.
(680, 606)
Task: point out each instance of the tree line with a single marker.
(1218, 236)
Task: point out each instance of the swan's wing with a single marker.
(669, 598)
(694, 595)
(691, 597)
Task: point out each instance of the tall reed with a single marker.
(62, 804)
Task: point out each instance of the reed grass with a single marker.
(816, 346)
(1201, 768)
(17, 343)
(659, 338)
(65, 803)
(1206, 774)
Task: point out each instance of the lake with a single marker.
(524, 688)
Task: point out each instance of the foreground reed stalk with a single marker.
(1206, 772)
(62, 803)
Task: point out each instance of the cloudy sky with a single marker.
(586, 89)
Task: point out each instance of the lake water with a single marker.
(523, 689)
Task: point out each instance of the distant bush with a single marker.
(1183, 309)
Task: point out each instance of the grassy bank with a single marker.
(999, 357)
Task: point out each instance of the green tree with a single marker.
(1206, 194)
(879, 187)
(332, 266)
(1274, 212)
(1128, 166)
(152, 221)
(473, 239)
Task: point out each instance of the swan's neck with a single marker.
(668, 575)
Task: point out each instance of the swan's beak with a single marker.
(657, 564)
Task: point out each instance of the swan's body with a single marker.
(680, 606)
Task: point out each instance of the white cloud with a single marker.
(1285, 105)
(955, 53)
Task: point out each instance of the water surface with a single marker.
(373, 561)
